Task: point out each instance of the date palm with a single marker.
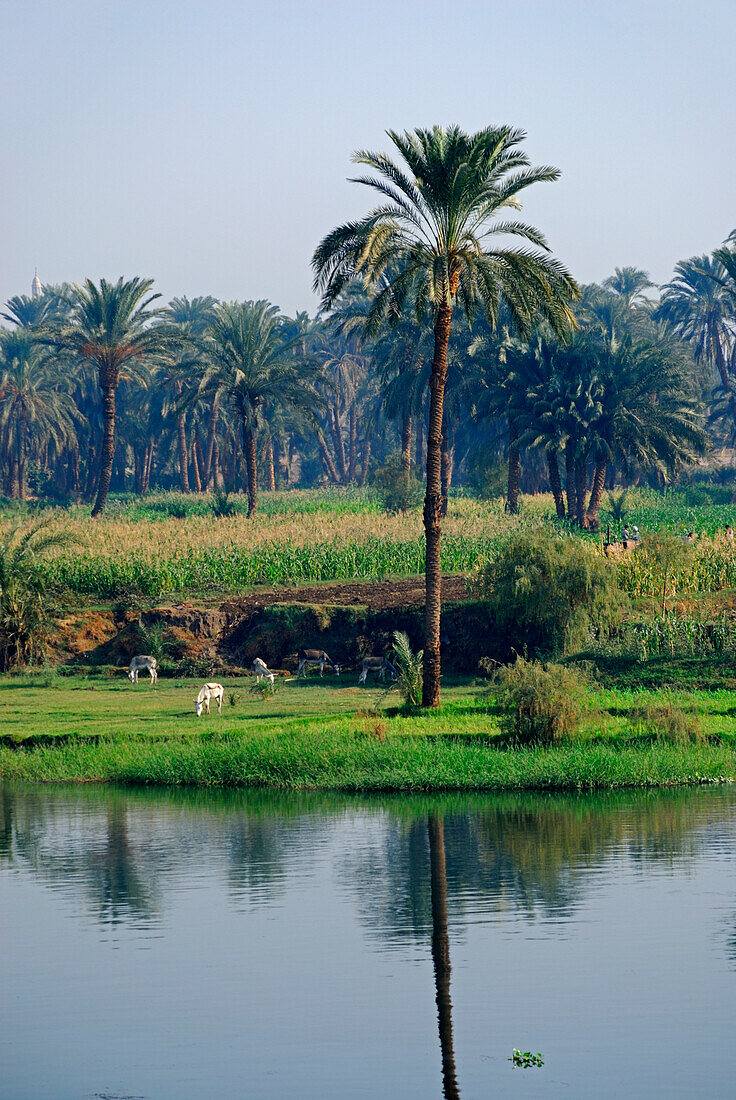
(192, 317)
(34, 411)
(432, 234)
(111, 329)
(251, 365)
(698, 306)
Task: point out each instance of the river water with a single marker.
(192, 945)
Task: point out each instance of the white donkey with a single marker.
(381, 665)
(261, 671)
(143, 664)
(315, 658)
(206, 693)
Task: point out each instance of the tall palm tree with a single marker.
(630, 283)
(34, 411)
(111, 328)
(192, 319)
(697, 305)
(432, 232)
(252, 364)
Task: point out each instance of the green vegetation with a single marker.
(409, 669)
(543, 703)
(525, 1059)
(547, 593)
(23, 603)
(335, 735)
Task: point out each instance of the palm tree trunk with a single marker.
(572, 496)
(329, 465)
(148, 466)
(270, 470)
(195, 465)
(581, 487)
(441, 953)
(352, 453)
(596, 493)
(366, 463)
(251, 466)
(512, 491)
(216, 468)
(211, 432)
(406, 447)
(107, 453)
(722, 369)
(181, 432)
(339, 444)
(553, 466)
(22, 454)
(433, 511)
(420, 442)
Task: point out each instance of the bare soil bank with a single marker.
(352, 618)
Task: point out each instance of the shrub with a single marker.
(222, 505)
(201, 665)
(666, 721)
(544, 702)
(548, 594)
(410, 667)
(397, 492)
(23, 592)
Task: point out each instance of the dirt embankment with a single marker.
(356, 617)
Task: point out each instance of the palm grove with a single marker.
(449, 340)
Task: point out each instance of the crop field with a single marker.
(171, 543)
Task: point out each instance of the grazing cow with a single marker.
(315, 658)
(381, 665)
(262, 672)
(143, 664)
(206, 693)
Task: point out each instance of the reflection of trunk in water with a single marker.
(441, 952)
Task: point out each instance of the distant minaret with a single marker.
(36, 288)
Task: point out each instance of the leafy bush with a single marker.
(222, 506)
(490, 478)
(23, 592)
(666, 721)
(202, 665)
(548, 594)
(544, 702)
(397, 492)
(410, 667)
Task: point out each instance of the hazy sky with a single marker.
(208, 144)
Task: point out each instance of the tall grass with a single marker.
(346, 761)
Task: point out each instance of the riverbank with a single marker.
(333, 736)
(343, 761)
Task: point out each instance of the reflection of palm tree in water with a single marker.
(441, 951)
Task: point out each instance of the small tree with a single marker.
(546, 592)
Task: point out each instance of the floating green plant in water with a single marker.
(525, 1058)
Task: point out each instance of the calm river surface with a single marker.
(201, 945)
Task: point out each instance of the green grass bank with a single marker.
(334, 735)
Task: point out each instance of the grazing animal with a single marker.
(381, 665)
(262, 672)
(315, 658)
(143, 664)
(206, 693)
